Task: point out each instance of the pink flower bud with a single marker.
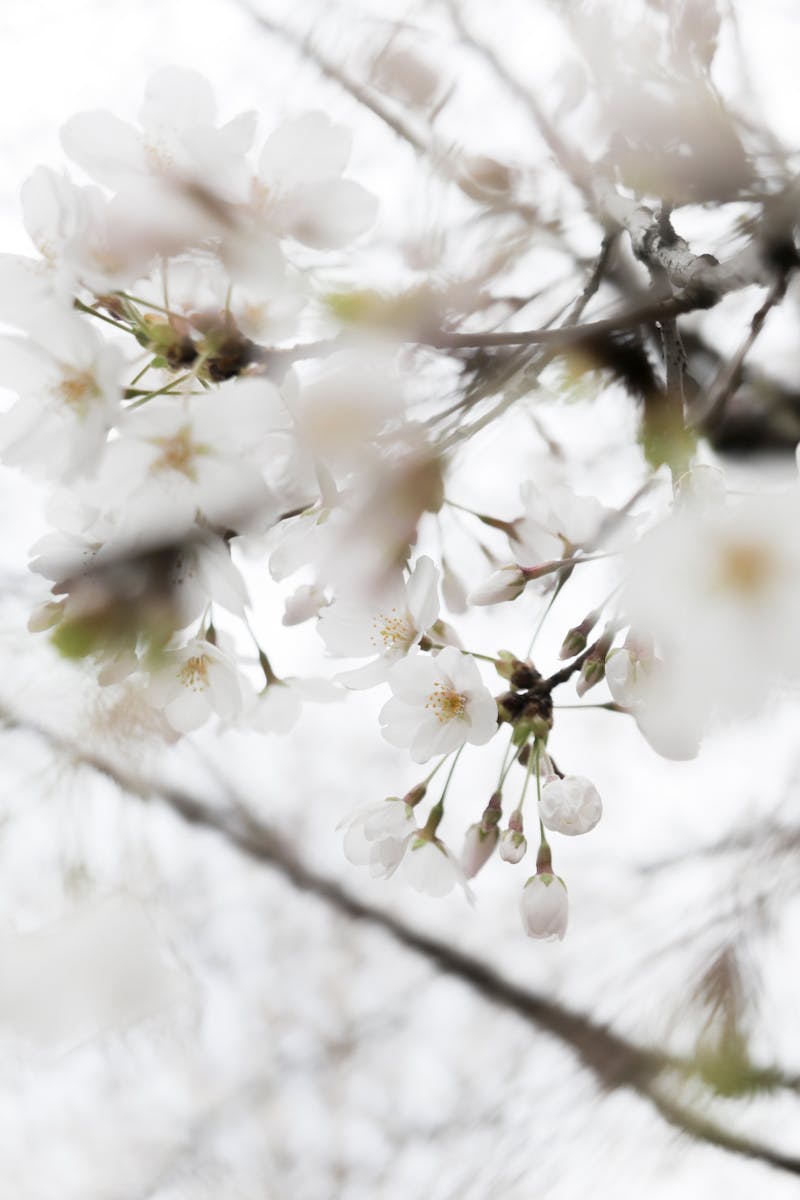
(478, 847)
(513, 846)
(544, 907)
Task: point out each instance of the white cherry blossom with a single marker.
(278, 707)
(194, 683)
(439, 704)
(202, 454)
(68, 381)
(556, 520)
(430, 868)
(178, 137)
(377, 836)
(404, 613)
(717, 589)
(299, 191)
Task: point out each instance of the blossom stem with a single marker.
(92, 312)
(143, 371)
(450, 776)
(529, 769)
(544, 615)
(440, 764)
(149, 304)
(609, 706)
(165, 390)
(506, 765)
(427, 643)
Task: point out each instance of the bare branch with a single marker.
(613, 1061)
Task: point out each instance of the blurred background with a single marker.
(179, 1020)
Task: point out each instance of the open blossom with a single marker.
(69, 388)
(718, 590)
(377, 836)
(430, 868)
(299, 191)
(404, 613)
(278, 708)
(178, 136)
(439, 703)
(199, 453)
(194, 683)
(544, 907)
(555, 521)
(571, 805)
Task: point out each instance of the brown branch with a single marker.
(613, 1061)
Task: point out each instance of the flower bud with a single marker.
(544, 907)
(478, 847)
(504, 584)
(571, 805)
(575, 641)
(592, 672)
(513, 846)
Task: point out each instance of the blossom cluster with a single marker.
(196, 405)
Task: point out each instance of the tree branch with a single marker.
(613, 1061)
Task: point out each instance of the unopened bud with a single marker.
(506, 583)
(415, 795)
(592, 672)
(575, 641)
(513, 846)
(492, 813)
(478, 847)
(544, 907)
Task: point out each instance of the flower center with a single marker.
(392, 630)
(178, 453)
(194, 673)
(77, 389)
(446, 703)
(745, 568)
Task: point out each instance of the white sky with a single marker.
(78, 1119)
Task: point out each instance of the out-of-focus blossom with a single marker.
(69, 388)
(278, 708)
(177, 457)
(178, 138)
(439, 704)
(194, 683)
(556, 521)
(377, 836)
(299, 191)
(718, 590)
(544, 907)
(304, 603)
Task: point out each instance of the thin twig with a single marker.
(613, 1061)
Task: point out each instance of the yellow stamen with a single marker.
(446, 703)
(194, 673)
